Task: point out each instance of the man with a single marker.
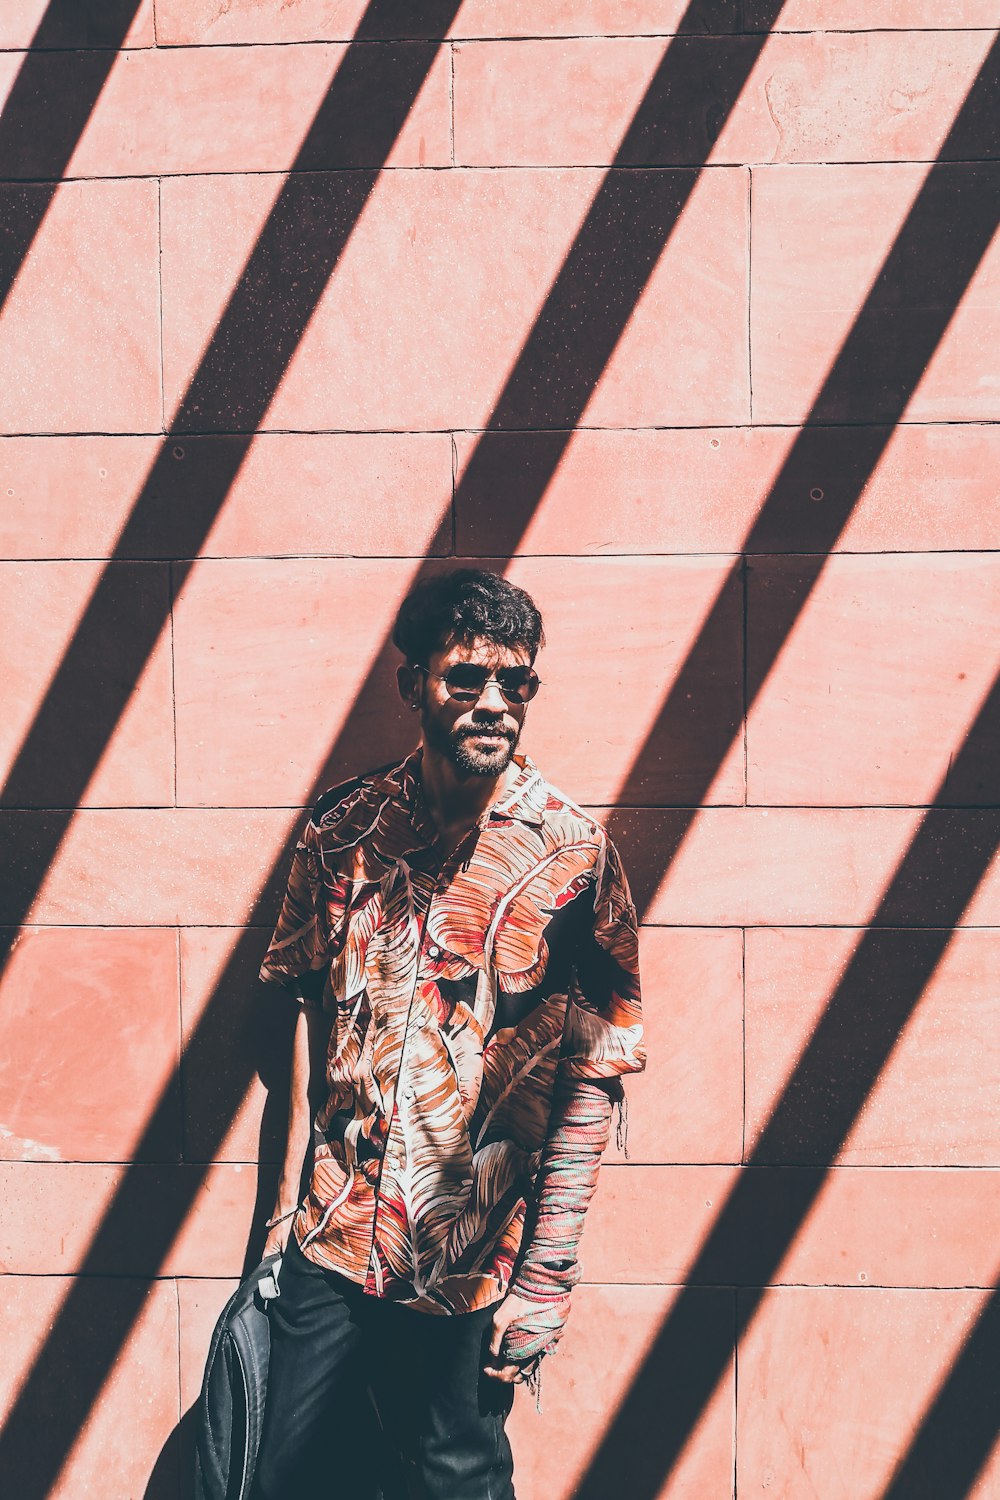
(462, 943)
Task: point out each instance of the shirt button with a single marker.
(408, 1092)
(434, 951)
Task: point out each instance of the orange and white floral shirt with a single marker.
(457, 991)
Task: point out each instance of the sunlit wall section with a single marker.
(686, 318)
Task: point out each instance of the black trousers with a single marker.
(439, 1429)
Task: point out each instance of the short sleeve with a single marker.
(603, 1036)
(298, 952)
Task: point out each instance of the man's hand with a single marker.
(508, 1311)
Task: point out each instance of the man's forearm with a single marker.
(579, 1127)
(304, 1048)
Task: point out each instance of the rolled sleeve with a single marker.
(603, 1037)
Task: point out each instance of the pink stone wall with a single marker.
(687, 317)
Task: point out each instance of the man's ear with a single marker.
(408, 683)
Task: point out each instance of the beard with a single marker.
(469, 759)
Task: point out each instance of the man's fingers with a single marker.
(496, 1337)
(508, 1373)
(276, 1240)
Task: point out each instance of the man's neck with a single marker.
(456, 802)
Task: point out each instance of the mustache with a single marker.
(478, 729)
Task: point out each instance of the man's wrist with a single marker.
(279, 1217)
(286, 1201)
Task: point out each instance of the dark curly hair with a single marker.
(461, 605)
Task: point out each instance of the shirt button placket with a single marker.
(395, 1153)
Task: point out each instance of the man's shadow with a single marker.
(252, 1039)
(255, 1039)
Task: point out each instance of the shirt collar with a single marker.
(528, 796)
(525, 800)
(401, 787)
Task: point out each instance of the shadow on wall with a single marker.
(939, 248)
(892, 340)
(356, 125)
(233, 388)
(171, 1475)
(46, 113)
(758, 1223)
(261, 1032)
(958, 1432)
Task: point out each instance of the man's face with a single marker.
(479, 738)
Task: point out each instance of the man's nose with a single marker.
(491, 697)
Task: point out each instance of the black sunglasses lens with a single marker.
(518, 683)
(467, 681)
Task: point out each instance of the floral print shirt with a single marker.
(457, 991)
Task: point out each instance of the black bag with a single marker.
(231, 1408)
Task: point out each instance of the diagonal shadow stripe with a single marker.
(604, 274)
(756, 1225)
(584, 315)
(43, 120)
(365, 107)
(291, 263)
(72, 1344)
(893, 338)
(958, 849)
(886, 977)
(568, 348)
(956, 1436)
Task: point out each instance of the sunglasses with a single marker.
(466, 682)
